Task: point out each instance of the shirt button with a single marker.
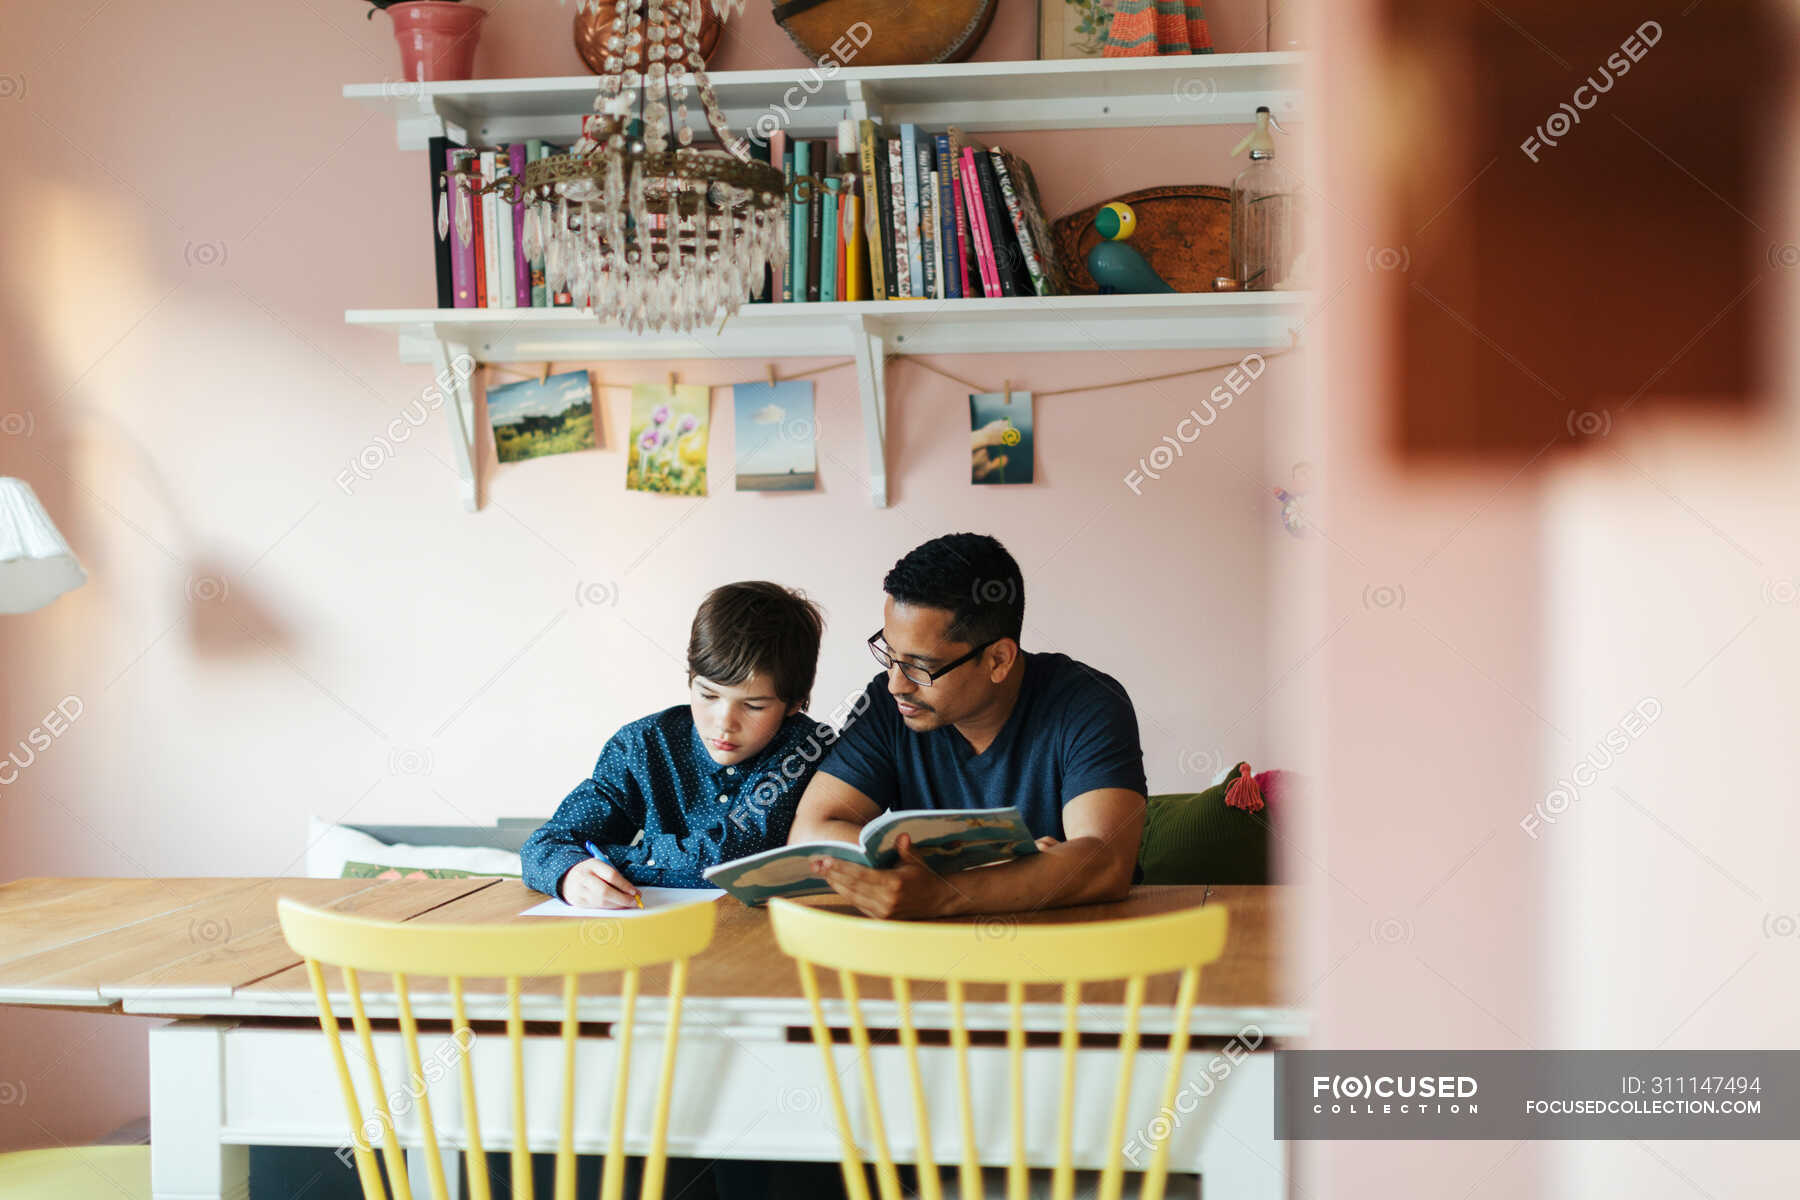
(724, 799)
(731, 770)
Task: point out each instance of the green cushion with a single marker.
(363, 870)
(1195, 837)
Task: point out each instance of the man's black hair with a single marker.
(969, 575)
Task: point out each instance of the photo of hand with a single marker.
(1000, 449)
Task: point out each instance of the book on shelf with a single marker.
(881, 213)
(802, 217)
(828, 240)
(909, 175)
(1048, 273)
(949, 270)
(503, 233)
(868, 137)
(815, 213)
(964, 247)
(1015, 214)
(978, 233)
(779, 145)
(521, 263)
(850, 236)
(927, 217)
(760, 151)
(1002, 247)
(947, 219)
(461, 239)
(479, 210)
(437, 157)
(535, 148)
(902, 276)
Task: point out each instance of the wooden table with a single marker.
(243, 1064)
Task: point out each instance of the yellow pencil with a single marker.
(639, 897)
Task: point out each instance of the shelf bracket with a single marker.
(456, 376)
(428, 116)
(868, 342)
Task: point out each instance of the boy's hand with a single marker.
(596, 883)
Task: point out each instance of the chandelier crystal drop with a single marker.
(635, 222)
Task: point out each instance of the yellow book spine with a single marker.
(871, 211)
(853, 248)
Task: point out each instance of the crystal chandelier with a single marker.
(651, 235)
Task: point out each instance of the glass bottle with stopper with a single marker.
(1264, 214)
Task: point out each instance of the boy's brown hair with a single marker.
(743, 628)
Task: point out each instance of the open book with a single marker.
(948, 839)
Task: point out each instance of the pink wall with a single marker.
(202, 207)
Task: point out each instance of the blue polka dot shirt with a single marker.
(656, 779)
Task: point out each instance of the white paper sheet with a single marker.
(656, 899)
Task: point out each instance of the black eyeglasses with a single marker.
(919, 675)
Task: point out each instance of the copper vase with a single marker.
(594, 24)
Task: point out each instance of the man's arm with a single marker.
(1094, 865)
(831, 811)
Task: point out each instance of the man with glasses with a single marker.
(963, 717)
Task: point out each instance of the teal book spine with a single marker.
(828, 244)
(540, 298)
(802, 214)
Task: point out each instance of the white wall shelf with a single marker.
(868, 330)
(1099, 93)
(981, 97)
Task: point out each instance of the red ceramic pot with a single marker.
(437, 39)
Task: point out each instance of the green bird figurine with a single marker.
(1115, 266)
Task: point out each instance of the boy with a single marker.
(703, 783)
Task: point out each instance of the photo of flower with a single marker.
(668, 439)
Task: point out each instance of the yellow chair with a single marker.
(513, 952)
(956, 953)
(115, 1172)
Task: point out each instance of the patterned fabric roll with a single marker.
(1142, 28)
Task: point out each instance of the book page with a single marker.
(656, 899)
(951, 839)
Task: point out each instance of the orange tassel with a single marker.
(1243, 792)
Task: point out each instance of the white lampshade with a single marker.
(36, 565)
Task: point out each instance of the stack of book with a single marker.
(906, 215)
(911, 215)
(490, 269)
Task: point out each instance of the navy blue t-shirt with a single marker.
(1071, 731)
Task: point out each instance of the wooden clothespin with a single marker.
(772, 379)
(543, 373)
(1006, 390)
(671, 385)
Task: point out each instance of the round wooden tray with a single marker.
(1183, 230)
(914, 31)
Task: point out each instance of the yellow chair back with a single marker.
(565, 948)
(957, 953)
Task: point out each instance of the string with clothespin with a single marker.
(916, 360)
